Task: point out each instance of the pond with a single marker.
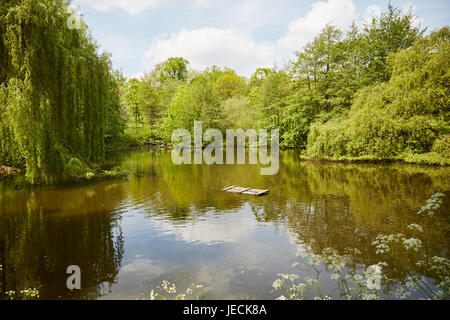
(169, 222)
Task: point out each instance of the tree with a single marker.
(208, 103)
(54, 89)
(386, 35)
(114, 113)
(406, 117)
(335, 65)
(240, 113)
(171, 69)
(196, 101)
(318, 68)
(269, 98)
(228, 85)
(132, 102)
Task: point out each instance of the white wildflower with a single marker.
(172, 289)
(335, 276)
(277, 284)
(412, 244)
(312, 282)
(414, 226)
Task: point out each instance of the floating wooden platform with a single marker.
(246, 191)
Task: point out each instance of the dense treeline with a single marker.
(58, 96)
(377, 91)
(404, 117)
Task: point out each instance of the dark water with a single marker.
(169, 222)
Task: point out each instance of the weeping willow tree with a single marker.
(54, 90)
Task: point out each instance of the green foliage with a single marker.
(133, 99)
(240, 113)
(146, 102)
(388, 34)
(400, 118)
(229, 85)
(171, 69)
(55, 90)
(76, 169)
(116, 173)
(269, 98)
(433, 158)
(332, 68)
(441, 145)
(115, 115)
(196, 101)
(156, 107)
(375, 92)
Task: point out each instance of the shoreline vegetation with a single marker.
(376, 92)
(431, 159)
(6, 171)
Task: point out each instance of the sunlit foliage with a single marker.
(55, 90)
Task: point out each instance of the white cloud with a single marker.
(409, 7)
(232, 227)
(134, 7)
(237, 49)
(412, 8)
(249, 15)
(372, 12)
(131, 7)
(210, 46)
(200, 3)
(142, 265)
(137, 75)
(340, 13)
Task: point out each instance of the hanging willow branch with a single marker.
(54, 107)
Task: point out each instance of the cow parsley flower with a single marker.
(277, 284)
(412, 244)
(414, 226)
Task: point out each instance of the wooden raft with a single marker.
(246, 191)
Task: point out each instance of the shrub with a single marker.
(400, 118)
(76, 169)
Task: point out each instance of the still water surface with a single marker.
(169, 222)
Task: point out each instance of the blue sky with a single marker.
(243, 34)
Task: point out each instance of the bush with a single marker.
(398, 119)
(442, 145)
(116, 172)
(76, 169)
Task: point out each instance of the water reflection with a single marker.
(173, 222)
(43, 232)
